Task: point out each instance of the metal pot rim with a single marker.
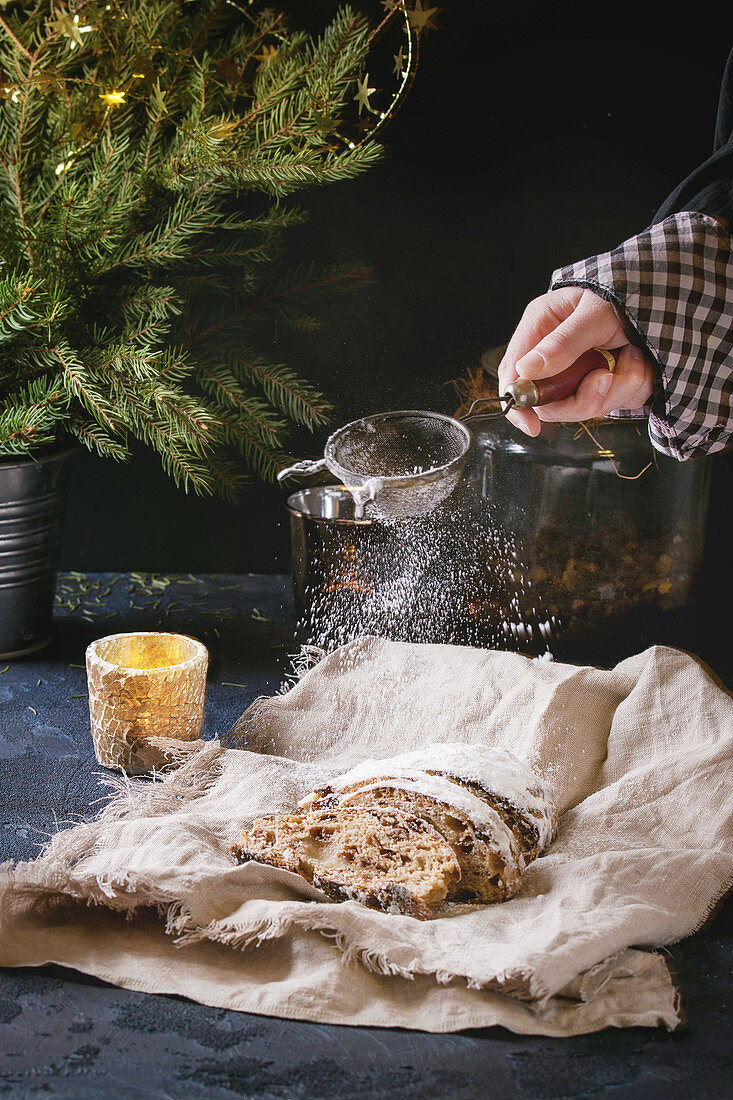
(10, 462)
(343, 520)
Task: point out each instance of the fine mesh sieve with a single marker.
(397, 465)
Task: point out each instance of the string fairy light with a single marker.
(113, 98)
(405, 66)
(415, 20)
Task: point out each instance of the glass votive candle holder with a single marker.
(145, 684)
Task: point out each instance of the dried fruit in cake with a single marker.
(522, 798)
(381, 856)
(495, 811)
(484, 846)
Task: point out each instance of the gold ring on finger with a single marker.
(609, 357)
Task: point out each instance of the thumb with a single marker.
(561, 347)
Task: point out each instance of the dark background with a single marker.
(533, 135)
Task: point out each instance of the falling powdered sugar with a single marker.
(453, 575)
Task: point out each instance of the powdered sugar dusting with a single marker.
(496, 770)
(454, 575)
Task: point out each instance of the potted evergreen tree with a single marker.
(147, 152)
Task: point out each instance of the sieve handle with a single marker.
(529, 393)
(305, 468)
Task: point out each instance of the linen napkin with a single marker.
(641, 760)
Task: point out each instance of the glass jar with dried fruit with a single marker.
(594, 540)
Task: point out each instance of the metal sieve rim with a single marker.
(393, 481)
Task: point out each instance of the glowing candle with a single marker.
(147, 684)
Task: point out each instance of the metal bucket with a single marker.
(32, 507)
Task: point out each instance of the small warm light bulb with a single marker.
(113, 99)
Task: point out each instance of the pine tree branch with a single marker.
(16, 175)
(284, 389)
(147, 230)
(16, 41)
(96, 402)
(29, 419)
(229, 481)
(98, 441)
(223, 385)
(146, 245)
(257, 42)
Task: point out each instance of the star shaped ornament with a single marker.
(421, 18)
(399, 62)
(363, 93)
(227, 71)
(69, 26)
(268, 55)
(325, 123)
(223, 129)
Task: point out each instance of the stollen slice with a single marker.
(497, 814)
(381, 856)
(487, 853)
(522, 798)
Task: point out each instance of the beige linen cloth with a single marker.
(640, 756)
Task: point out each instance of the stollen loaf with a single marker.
(447, 823)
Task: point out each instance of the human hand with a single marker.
(554, 331)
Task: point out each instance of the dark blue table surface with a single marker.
(64, 1034)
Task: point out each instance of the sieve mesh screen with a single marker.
(399, 445)
(406, 462)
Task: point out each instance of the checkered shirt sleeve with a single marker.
(672, 285)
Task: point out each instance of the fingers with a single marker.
(540, 317)
(593, 323)
(555, 330)
(526, 420)
(600, 392)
